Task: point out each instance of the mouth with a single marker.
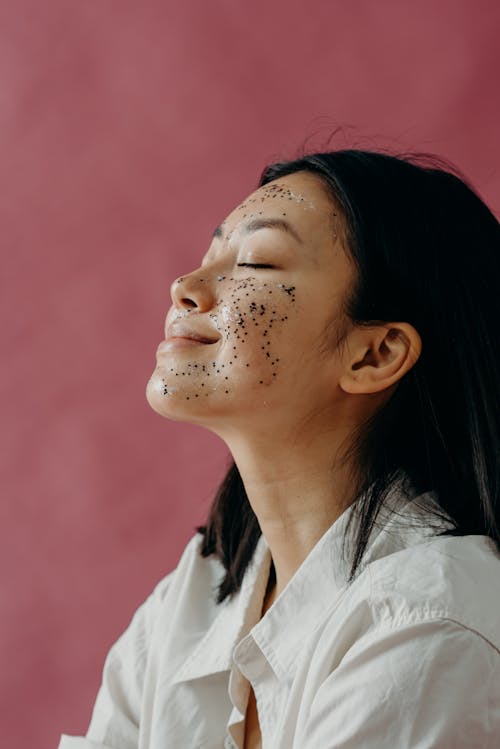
(182, 336)
(176, 342)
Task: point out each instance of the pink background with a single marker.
(128, 131)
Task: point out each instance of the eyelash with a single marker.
(254, 265)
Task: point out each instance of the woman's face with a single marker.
(250, 334)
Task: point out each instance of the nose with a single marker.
(192, 292)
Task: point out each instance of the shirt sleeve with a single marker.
(427, 685)
(116, 713)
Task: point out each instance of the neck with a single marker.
(296, 493)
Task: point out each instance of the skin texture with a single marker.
(274, 385)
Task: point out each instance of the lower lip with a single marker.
(173, 344)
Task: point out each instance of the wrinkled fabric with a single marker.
(405, 656)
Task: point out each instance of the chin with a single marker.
(164, 404)
(193, 404)
(177, 405)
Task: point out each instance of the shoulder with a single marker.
(194, 576)
(454, 578)
(190, 585)
(399, 651)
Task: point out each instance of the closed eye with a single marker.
(254, 265)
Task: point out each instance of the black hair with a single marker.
(427, 251)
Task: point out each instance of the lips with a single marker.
(188, 332)
(181, 335)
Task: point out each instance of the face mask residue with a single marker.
(246, 319)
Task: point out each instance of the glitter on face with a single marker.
(250, 314)
(243, 319)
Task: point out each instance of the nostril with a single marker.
(188, 302)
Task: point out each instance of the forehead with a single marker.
(301, 198)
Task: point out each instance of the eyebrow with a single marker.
(263, 223)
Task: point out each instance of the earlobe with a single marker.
(383, 355)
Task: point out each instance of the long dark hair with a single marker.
(427, 251)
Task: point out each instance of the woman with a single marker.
(341, 336)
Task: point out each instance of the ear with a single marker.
(379, 356)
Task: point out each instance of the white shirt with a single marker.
(405, 657)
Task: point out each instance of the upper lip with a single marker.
(181, 330)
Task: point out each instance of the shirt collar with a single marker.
(313, 589)
(322, 577)
(233, 619)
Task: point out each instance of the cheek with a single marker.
(256, 322)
